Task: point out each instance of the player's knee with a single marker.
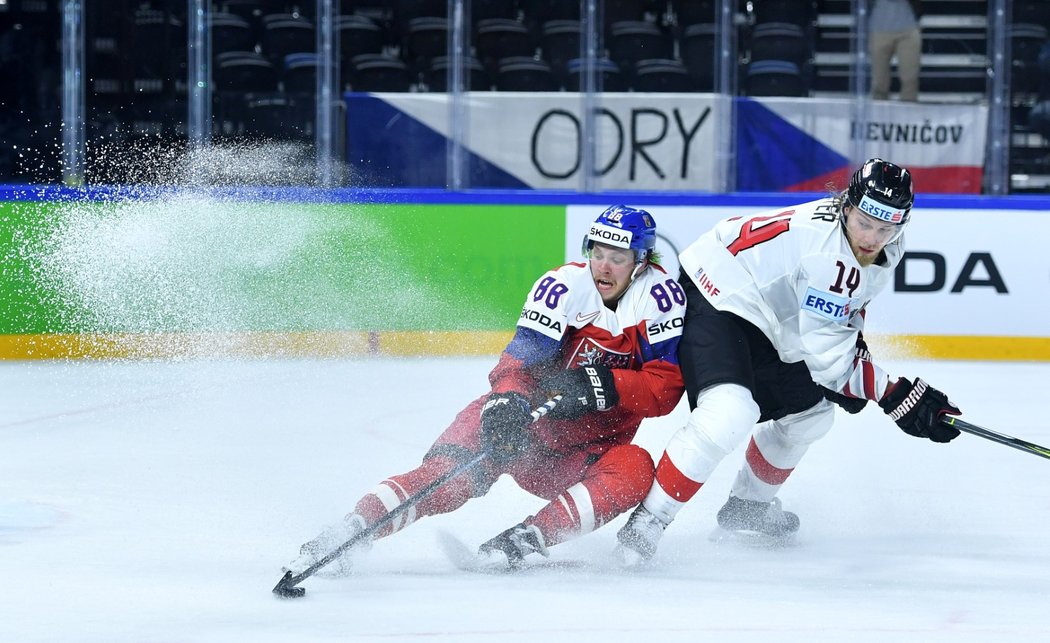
(625, 473)
(809, 425)
(724, 415)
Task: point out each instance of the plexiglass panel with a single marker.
(588, 95)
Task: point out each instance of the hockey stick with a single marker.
(988, 434)
(286, 587)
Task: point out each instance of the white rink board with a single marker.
(1016, 244)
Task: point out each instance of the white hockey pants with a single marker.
(776, 448)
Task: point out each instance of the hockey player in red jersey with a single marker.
(604, 335)
(776, 305)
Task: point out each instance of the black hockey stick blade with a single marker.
(988, 434)
(287, 586)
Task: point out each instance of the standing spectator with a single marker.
(894, 30)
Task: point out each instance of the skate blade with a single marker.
(753, 539)
(629, 559)
(466, 559)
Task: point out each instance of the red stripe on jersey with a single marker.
(869, 380)
(764, 471)
(674, 482)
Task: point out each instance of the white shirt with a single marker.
(792, 274)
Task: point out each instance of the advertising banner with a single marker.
(535, 140)
(800, 144)
(661, 142)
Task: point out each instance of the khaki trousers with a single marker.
(907, 45)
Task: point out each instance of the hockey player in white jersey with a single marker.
(603, 334)
(776, 305)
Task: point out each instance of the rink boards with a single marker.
(338, 273)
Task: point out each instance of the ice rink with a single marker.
(157, 501)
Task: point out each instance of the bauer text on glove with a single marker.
(582, 390)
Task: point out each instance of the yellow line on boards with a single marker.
(252, 344)
(431, 343)
(962, 347)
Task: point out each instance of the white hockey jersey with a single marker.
(791, 273)
(564, 324)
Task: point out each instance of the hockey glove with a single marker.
(848, 404)
(582, 390)
(505, 418)
(917, 409)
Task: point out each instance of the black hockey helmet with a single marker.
(883, 190)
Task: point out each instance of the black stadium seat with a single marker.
(230, 32)
(520, 74)
(610, 78)
(299, 73)
(498, 38)
(775, 78)
(375, 73)
(661, 75)
(285, 33)
(475, 75)
(425, 39)
(697, 49)
(244, 72)
(632, 41)
(560, 42)
(358, 35)
(779, 41)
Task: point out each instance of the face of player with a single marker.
(867, 235)
(611, 269)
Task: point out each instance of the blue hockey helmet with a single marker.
(623, 227)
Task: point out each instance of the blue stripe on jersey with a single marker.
(666, 350)
(532, 347)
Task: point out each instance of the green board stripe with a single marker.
(183, 264)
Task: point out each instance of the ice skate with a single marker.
(330, 538)
(765, 522)
(508, 550)
(639, 537)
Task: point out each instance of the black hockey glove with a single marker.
(505, 418)
(917, 409)
(846, 403)
(582, 390)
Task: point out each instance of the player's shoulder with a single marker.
(657, 293)
(567, 274)
(821, 214)
(566, 288)
(817, 225)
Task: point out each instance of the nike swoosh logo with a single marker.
(583, 319)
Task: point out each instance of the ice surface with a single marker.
(157, 501)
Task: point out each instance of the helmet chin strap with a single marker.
(638, 269)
